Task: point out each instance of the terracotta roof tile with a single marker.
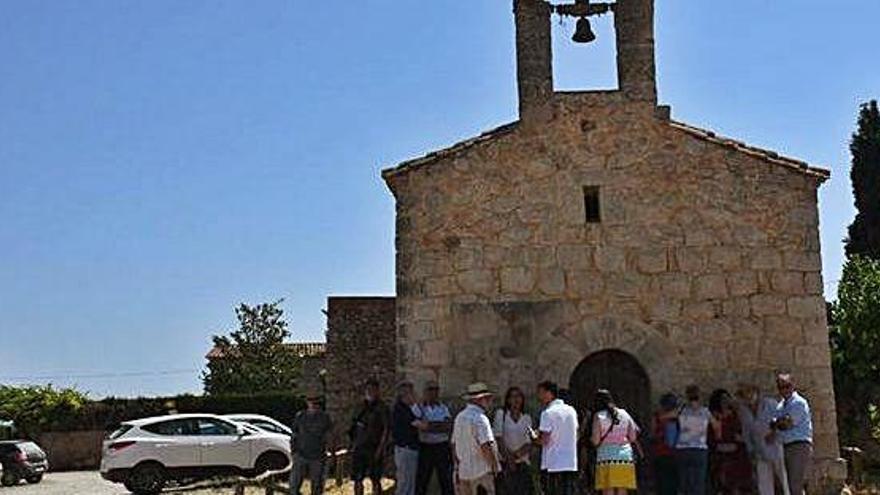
(449, 151)
(704, 134)
(765, 154)
(305, 349)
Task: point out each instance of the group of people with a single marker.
(738, 444)
(735, 444)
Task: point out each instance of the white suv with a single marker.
(146, 454)
(264, 423)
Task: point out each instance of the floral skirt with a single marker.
(615, 467)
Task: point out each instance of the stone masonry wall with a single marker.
(705, 266)
(360, 344)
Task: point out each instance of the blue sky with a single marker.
(162, 161)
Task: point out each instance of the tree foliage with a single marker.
(35, 409)
(864, 232)
(253, 358)
(855, 343)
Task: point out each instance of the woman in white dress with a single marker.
(512, 428)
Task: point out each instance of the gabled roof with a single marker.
(456, 148)
(704, 134)
(764, 154)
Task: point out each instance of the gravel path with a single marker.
(75, 483)
(91, 483)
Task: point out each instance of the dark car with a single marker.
(22, 460)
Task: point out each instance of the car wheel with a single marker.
(9, 478)
(34, 479)
(270, 461)
(146, 479)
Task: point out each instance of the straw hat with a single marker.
(477, 390)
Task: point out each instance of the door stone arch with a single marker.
(622, 374)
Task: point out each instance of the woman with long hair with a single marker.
(729, 457)
(512, 428)
(615, 435)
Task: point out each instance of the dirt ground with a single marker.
(91, 483)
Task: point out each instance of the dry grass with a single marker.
(331, 489)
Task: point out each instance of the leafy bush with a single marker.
(44, 408)
(39, 408)
(108, 413)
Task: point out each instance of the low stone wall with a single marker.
(72, 451)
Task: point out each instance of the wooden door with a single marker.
(620, 373)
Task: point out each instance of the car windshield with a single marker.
(122, 430)
(30, 448)
(265, 425)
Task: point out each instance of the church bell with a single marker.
(583, 32)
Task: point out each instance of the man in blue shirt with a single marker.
(435, 453)
(794, 424)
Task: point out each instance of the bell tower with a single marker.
(534, 57)
(634, 27)
(636, 70)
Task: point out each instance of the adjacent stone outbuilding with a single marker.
(598, 242)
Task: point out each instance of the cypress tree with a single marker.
(864, 232)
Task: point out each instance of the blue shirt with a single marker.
(798, 409)
(433, 413)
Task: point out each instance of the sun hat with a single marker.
(477, 390)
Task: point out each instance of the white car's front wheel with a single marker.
(146, 479)
(270, 461)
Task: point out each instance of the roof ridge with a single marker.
(450, 150)
(755, 151)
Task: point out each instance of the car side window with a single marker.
(175, 427)
(265, 425)
(210, 426)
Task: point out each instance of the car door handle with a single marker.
(207, 444)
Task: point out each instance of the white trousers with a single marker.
(769, 471)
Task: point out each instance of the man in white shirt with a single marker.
(558, 436)
(473, 444)
(434, 452)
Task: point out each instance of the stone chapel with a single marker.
(597, 242)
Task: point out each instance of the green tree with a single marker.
(253, 358)
(864, 232)
(855, 347)
(35, 409)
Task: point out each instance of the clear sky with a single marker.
(162, 161)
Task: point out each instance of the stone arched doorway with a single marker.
(619, 372)
(622, 374)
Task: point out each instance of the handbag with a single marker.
(515, 478)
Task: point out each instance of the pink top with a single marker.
(626, 431)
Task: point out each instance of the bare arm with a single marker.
(716, 426)
(543, 438)
(595, 432)
(488, 451)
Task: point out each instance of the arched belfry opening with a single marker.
(633, 39)
(619, 372)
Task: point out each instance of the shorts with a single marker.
(364, 464)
